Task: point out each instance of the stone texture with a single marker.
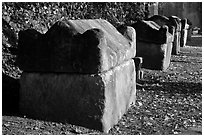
(76, 46)
(154, 44)
(155, 56)
(176, 43)
(149, 31)
(138, 65)
(94, 101)
(184, 32)
(174, 28)
(161, 21)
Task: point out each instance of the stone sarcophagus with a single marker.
(153, 44)
(161, 21)
(176, 22)
(174, 26)
(79, 71)
(184, 32)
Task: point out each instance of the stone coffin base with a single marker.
(93, 101)
(176, 43)
(155, 56)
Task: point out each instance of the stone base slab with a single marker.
(94, 101)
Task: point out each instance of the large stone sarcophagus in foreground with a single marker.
(153, 44)
(69, 45)
(79, 71)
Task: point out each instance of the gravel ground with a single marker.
(167, 103)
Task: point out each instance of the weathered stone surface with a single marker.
(161, 21)
(184, 32)
(155, 56)
(76, 46)
(176, 43)
(94, 101)
(154, 44)
(175, 21)
(149, 31)
(128, 32)
(138, 65)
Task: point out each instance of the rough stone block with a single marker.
(149, 31)
(154, 44)
(155, 56)
(176, 43)
(184, 32)
(76, 46)
(94, 101)
(175, 21)
(138, 66)
(161, 21)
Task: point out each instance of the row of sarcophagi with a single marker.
(159, 37)
(84, 71)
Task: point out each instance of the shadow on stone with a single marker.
(10, 95)
(10, 104)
